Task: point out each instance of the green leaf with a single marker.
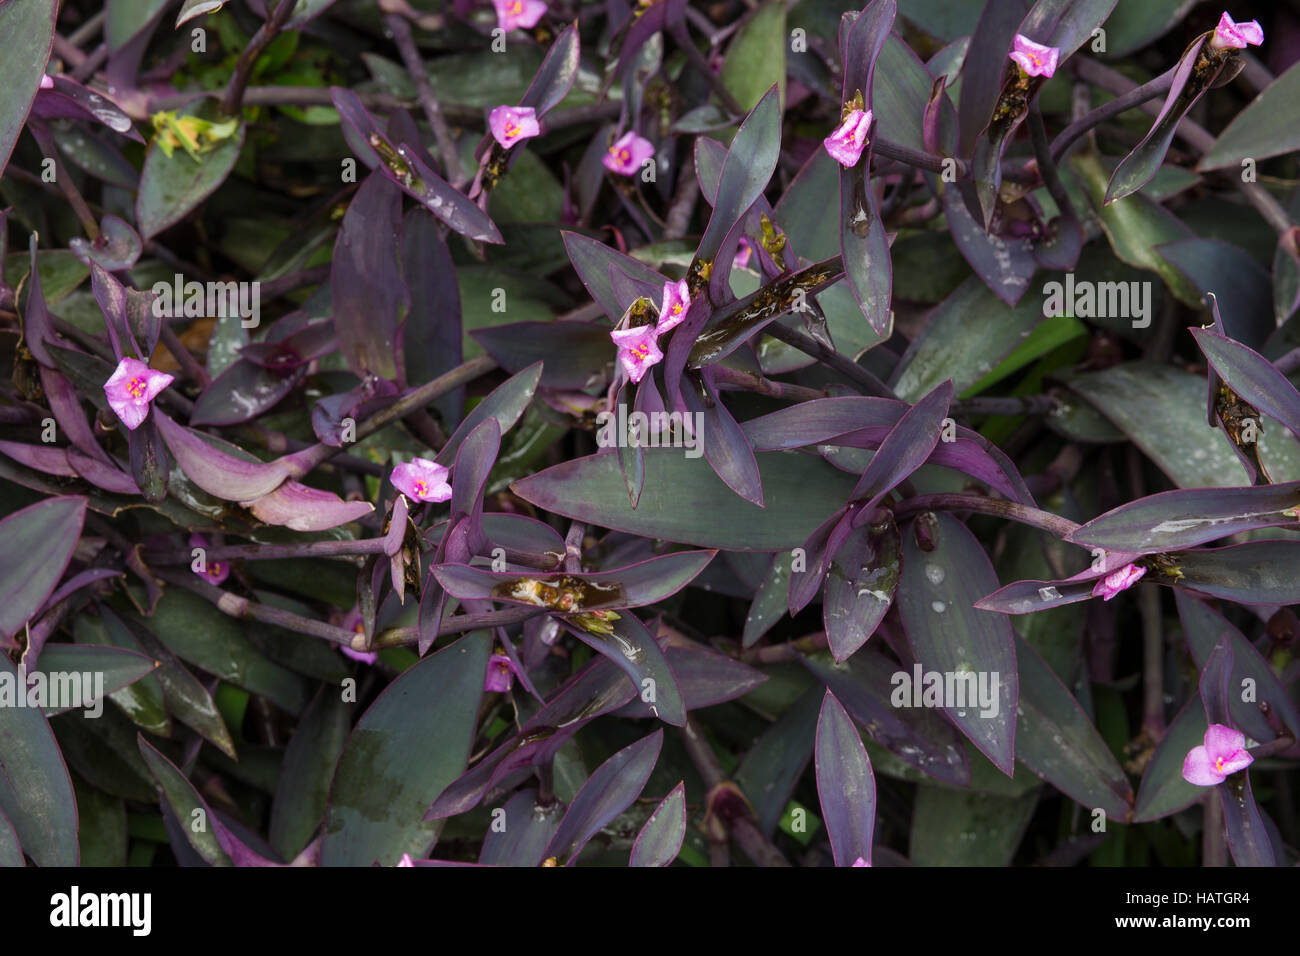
(1135, 226)
(172, 186)
(965, 338)
(684, 501)
(1162, 410)
(1133, 25)
(309, 763)
(1269, 126)
(200, 634)
(103, 827)
(35, 789)
(755, 59)
(952, 828)
(412, 742)
(28, 29)
(192, 813)
(1163, 790)
(1056, 740)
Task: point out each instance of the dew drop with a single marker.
(938, 607)
(934, 573)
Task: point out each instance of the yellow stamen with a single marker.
(421, 489)
(136, 387)
(516, 8)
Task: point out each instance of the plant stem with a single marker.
(263, 38)
(242, 608)
(828, 356)
(401, 30)
(1125, 101)
(998, 508)
(274, 552)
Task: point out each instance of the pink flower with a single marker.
(1223, 753)
(422, 480)
(627, 154)
(131, 388)
(510, 124)
(214, 572)
(500, 674)
(1117, 581)
(1034, 58)
(47, 81)
(676, 303)
(1235, 36)
(847, 142)
(860, 862)
(352, 621)
(742, 253)
(406, 860)
(637, 350)
(518, 13)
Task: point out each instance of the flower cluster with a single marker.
(638, 348)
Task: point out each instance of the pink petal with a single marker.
(1198, 768)
(1221, 741)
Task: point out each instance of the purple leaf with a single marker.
(300, 508)
(365, 282)
(863, 242)
(218, 472)
(1203, 628)
(1137, 168)
(526, 830)
(726, 448)
(36, 544)
(1187, 517)
(1252, 376)
(505, 404)
(985, 65)
(866, 684)
(593, 261)
(242, 392)
(597, 689)
(1004, 264)
(860, 586)
(431, 335)
(684, 501)
(634, 586)
(36, 794)
(555, 76)
(608, 792)
(631, 646)
(845, 785)
(704, 677)
(906, 448)
(117, 248)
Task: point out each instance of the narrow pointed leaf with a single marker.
(660, 840)
(607, 793)
(948, 634)
(845, 784)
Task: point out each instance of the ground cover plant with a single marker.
(551, 433)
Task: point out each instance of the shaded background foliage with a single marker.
(883, 382)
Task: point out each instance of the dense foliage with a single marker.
(551, 432)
